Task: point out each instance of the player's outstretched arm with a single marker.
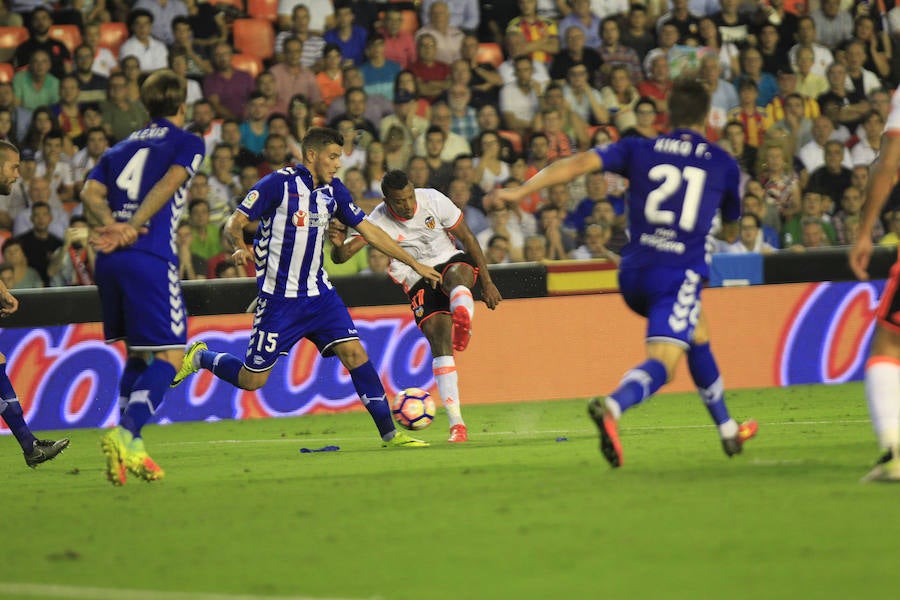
(880, 183)
(379, 239)
(489, 292)
(561, 171)
(342, 248)
(8, 302)
(159, 195)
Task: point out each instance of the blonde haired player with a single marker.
(883, 367)
(424, 223)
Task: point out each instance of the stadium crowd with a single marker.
(463, 95)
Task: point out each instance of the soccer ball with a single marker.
(413, 409)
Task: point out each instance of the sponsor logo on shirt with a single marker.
(250, 199)
(301, 218)
(429, 222)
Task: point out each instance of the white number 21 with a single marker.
(671, 177)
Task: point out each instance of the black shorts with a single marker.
(425, 300)
(888, 312)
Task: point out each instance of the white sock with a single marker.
(883, 396)
(728, 429)
(462, 296)
(448, 386)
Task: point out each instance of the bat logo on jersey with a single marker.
(299, 218)
(429, 222)
(250, 199)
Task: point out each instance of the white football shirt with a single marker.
(892, 123)
(425, 236)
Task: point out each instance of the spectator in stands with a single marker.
(292, 78)
(151, 53)
(448, 39)
(163, 12)
(501, 224)
(814, 234)
(24, 276)
(96, 143)
(812, 154)
(399, 45)
(869, 144)
(206, 241)
(750, 239)
(278, 124)
(809, 84)
(781, 184)
(131, 68)
(489, 120)
(205, 124)
(183, 42)
(440, 171)
(454, 144)
(490, 171)
(645, 120)
(794, 119)
(41, 21)
(847, 107)
(541, 33)
(460, 192)
(55, 168)
(313, 43)
(561, 241)
(862, 80)
(226, 88)
(535, 248)
(774, 12)
(231, 136)
(891, 238)
(614, 53)
(636, 34)
(321, 14)
(596, 236)
(807, 38)
(752, 204)
(374, 169)
(751, 69)
(36, 86)
(724, 96)
(349, 37)
(6, 127)
(679, 16)
(378, 72)
(92, 87)
(376, 107)
(189, 266)
(331, 78)
(224, 185)
(876, 45)
(68, 111)
(832, 178)
(105, 62)
(463, 117)
(620, 97)
(754, 119)
(356, 100)
(575, 52)
(496, 250)
(583, 19)
(812, 209)
(38, 244)
(833, 24)
(353, 153)
(275, 155)
(727, 52)
(121, 116)
(404, 117)
(255, 128)
(581, 99)
(774, 54)
(485, 81)
(464, 14)
(519, 100)
(73, 262)
(21, 116)
(851, 208)
(42, 122)
(431, 74)
(657, 86)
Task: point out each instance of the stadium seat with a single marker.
(410, 21)
(254, 36)
(113, 35)
(514, 138)
(489, 52)
(69, 35)
(12, 37)
(248, 63)
(263, 9)
(6, 72)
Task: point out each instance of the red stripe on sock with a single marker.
(465, 292)
(881, 360)
(444, 370)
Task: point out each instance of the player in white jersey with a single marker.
(294, 206)
(883, 366)
(424, 223)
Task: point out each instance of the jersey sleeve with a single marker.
(448, 213)
(615, 156)
(190, 154)
(100, 170)
(731, 198)
(347, 212)
(892, 123)
(263, 198)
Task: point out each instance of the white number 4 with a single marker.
(129, 180)
(671, 177)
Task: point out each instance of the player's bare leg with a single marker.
(438, 330)
(883, 397)
(457, 284)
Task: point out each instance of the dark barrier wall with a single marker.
(826, 264)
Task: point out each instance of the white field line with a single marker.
(24, 590)
(302, 439)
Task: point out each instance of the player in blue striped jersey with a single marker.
(137, 194)
(294, 206)
(677, 184)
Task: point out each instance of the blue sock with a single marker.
(134, 366)
(11, 411)
(371, 392)
(705, 373)
(639, 384)
(148, 393)
(224, 366)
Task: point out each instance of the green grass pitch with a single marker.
(515, 513)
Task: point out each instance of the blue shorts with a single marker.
(668, 297)
(140, 295)
(282, 322)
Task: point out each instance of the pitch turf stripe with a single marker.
(297, 440)
(22, 590)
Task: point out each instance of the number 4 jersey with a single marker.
(677, 184)
(131, 168)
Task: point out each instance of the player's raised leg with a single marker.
(36, 451)
(458, 282)
(883, 397)
(705, 373)
(437, 330)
